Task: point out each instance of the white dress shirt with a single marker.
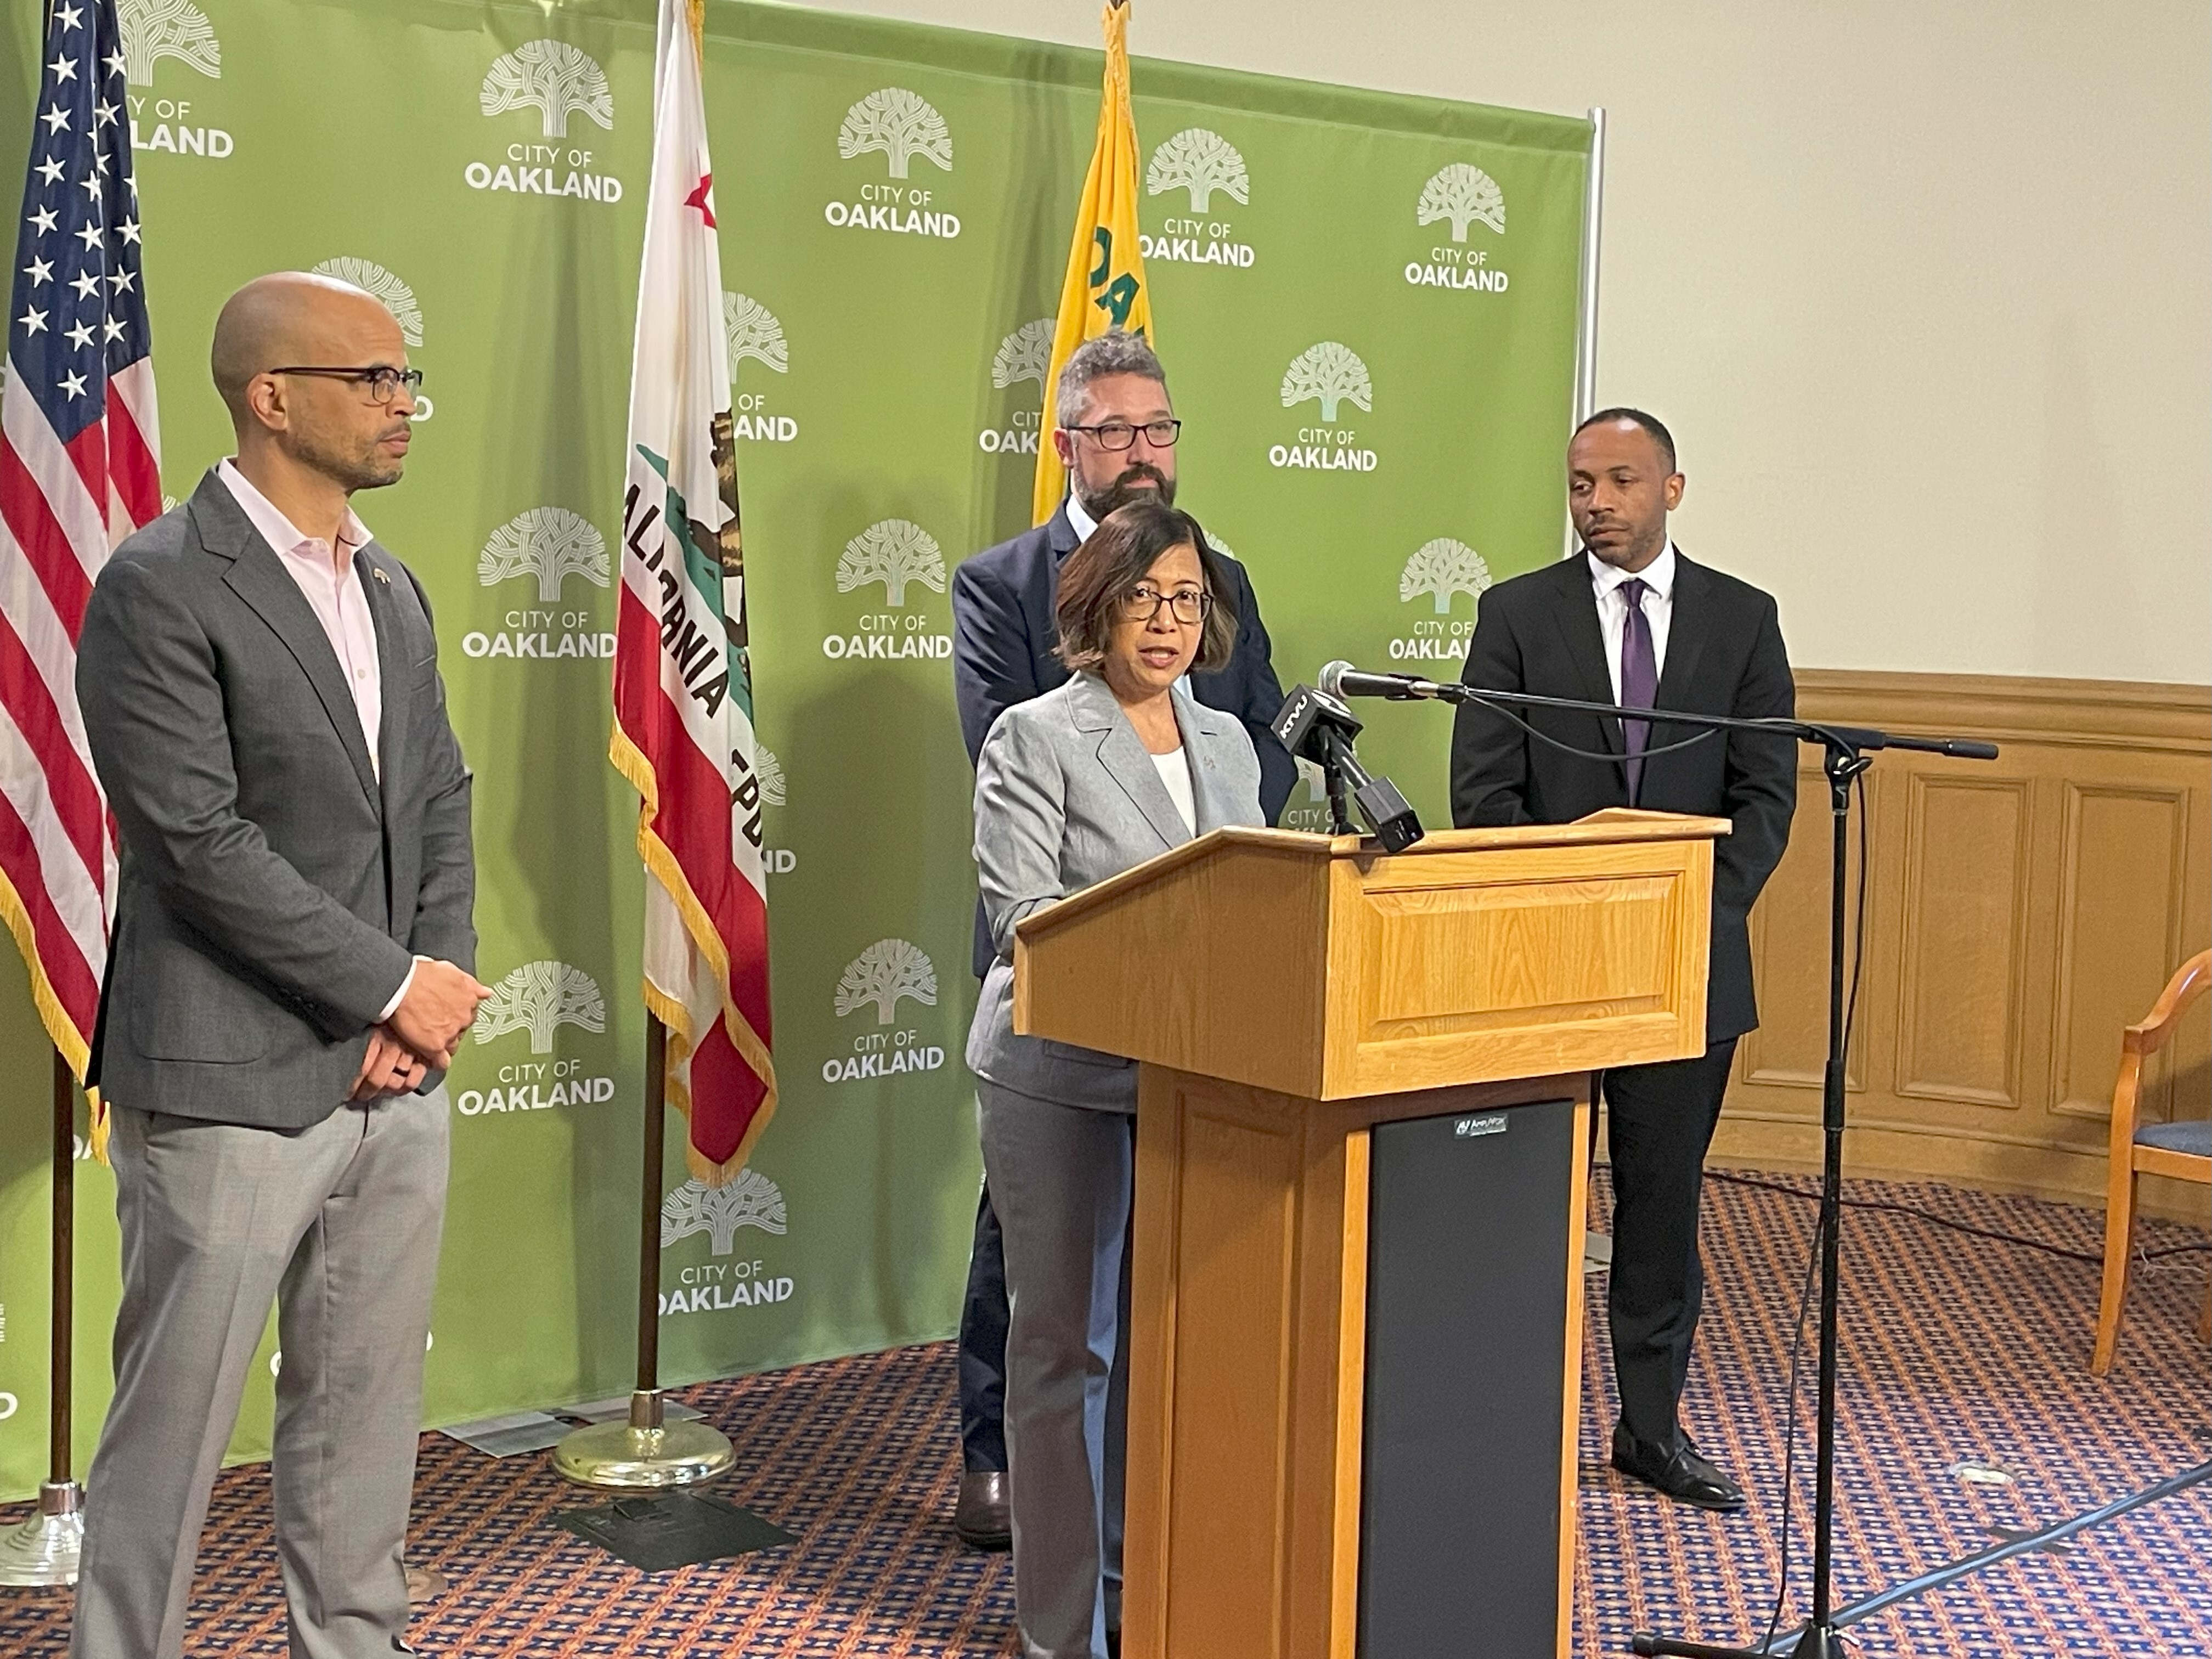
(1174, 769)
(341, 606)
(1658, 579)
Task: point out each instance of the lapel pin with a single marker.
(377, 571)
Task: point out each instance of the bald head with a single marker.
(296, 317)
(327, 429)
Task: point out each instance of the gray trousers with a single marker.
(1060, 1181)
(339, 1225)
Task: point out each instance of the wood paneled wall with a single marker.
(2020, 913)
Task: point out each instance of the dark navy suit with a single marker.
(1003, 636)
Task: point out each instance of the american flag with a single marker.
(79, 470)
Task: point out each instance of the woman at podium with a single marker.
(1114, 768)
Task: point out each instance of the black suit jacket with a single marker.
(1539, 633)
(1003, 636)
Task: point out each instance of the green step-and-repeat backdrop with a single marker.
(1367, 307)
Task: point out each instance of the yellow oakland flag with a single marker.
(1105, 286)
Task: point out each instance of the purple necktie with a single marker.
(1639, 680)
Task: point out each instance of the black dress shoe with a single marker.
(983, 1517)
(1682, 1475)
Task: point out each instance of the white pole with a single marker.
(1586, 323)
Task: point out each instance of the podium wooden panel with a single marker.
(1289, 996)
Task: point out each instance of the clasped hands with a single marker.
(424, 1030)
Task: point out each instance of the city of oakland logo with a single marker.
(1439, 571)
(176, 31)
(902, 127)
(751, 1201)
(1200, 163)
(398, 299)
(547, 545)
(539, 998)
(753, 334)
(1330, 374)
(1461, 195)
(556, 81)
(775, 791)
(890, 972)
(1024, 355)
(901, 555)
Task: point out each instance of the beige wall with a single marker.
(1924, 289)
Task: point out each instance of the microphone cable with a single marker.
(1658, 718)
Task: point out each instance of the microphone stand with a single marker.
(1846, 751)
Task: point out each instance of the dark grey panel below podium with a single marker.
(1466, 1360)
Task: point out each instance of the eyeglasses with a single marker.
(1120, 434)
(1187, 604)
(382, 380)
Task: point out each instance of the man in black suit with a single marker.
(1114, 430)
(1632, 621)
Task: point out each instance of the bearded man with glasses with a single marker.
(1114, 431)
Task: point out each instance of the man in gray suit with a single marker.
(289, 976)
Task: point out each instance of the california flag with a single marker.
(684, 704)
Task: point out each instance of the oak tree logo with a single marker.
(549, 543)
(753, 330)
(895, 552)
(882, 975)
(1024, 354)
(373, 278)
(751, 1200)
(554, 78)
(1200, 162)
(774, 790)
(903, 125)
(155, 29)
(1441, 568)
(1462, 194)
(1331, 372)
(539, 998)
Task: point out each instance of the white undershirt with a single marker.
(1658, 578)
(1174, 769)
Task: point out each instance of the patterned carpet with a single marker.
(1957, 1349)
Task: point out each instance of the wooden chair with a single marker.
(2182, 1150)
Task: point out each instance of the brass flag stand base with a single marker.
(43, 1549)
(644, 1453)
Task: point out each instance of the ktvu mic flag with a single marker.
(80, 470)
(684, 728)
(1104, 287)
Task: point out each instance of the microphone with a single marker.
(1341, 679)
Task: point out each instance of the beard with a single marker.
(354, 463)
(1126, 489)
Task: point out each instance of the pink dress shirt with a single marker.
(340, 604)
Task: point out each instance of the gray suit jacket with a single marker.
(273, 892)
(1065, 796)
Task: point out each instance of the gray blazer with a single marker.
(272, 891)
(1066, 795)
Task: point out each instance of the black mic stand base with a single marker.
(1813, 1642)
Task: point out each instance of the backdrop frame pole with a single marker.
(45, 1549)
(646, 1451)
(1585, 402)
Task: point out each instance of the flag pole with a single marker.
(646, 1451)
(44, 1550)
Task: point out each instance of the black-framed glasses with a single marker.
(382, 380)
(1188, 605)
(1120, 434)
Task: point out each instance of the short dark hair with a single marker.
(1114, 559)
(1650, 424)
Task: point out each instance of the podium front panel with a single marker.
(1465, 1385)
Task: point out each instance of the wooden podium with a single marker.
(1362, 1144)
